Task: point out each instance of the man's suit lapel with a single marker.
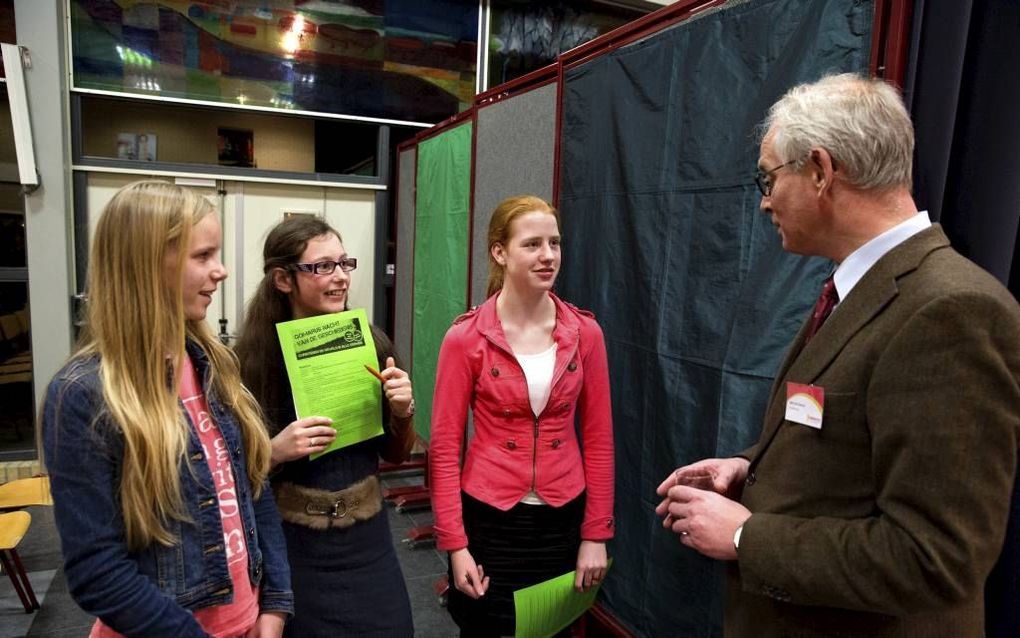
(806, 362)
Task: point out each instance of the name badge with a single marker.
(805, 404)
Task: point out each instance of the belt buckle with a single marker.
(336, 512)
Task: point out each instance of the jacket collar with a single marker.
(877, 289)
(565, 334)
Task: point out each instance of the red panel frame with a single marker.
(890, 40)
(535, 79)
(889, 54)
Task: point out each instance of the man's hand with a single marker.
(723, 476)
(706, 521)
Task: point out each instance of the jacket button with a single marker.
(511, 444)
(506, 413)
(610, 523)
(751, 479)
(251, 531)
(495, 371)
(572, 366)
(556, 443)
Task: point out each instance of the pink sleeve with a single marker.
(596, 415)
(454, 383)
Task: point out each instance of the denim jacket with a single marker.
(150, 593)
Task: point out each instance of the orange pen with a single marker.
(375, 373)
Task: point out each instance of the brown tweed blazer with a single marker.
(887, 520)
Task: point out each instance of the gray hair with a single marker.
(861, 122)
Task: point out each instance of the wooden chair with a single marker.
(13, 526)
(25, 492)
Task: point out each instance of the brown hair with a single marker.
(258, 348)
(499, 230)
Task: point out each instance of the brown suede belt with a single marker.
(321, 509)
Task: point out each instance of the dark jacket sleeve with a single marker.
(275, 592)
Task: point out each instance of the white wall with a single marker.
(250, 210)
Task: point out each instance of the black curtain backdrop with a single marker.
(964, 90)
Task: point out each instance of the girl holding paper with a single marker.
(347, 580)
(156, 453)
(527, 505)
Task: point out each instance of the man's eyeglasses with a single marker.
(764, 178)
(347, 264)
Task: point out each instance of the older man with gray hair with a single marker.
(875, 500)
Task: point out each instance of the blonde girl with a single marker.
(156, 453)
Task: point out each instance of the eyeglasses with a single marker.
(347, 264)
(764, 178)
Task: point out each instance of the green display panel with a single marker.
(440, 255)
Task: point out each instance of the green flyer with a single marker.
(547, 608)
(326, 357)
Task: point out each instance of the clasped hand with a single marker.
(698, 505)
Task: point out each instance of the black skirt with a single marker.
(518, 548)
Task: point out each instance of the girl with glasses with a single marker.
(157, 454)
(347, 580)
(525, 505)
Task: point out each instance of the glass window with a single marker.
(396, 59)
(525, 36)
(17, 434)
(179, 134)
(7, 31)
(12, 227)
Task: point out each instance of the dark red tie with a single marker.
(823, 307)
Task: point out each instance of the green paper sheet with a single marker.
(547, 608)
(326, 358)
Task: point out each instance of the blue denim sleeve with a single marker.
(83, 457)
(275, 592)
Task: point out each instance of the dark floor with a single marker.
(60, 617)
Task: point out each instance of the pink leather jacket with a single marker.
(513, 451)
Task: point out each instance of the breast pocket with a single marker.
(502, 384)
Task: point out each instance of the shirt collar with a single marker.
(860, 261)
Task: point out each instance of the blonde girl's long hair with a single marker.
(499, 230)
(135, 319)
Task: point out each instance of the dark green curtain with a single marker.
(664, 242)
